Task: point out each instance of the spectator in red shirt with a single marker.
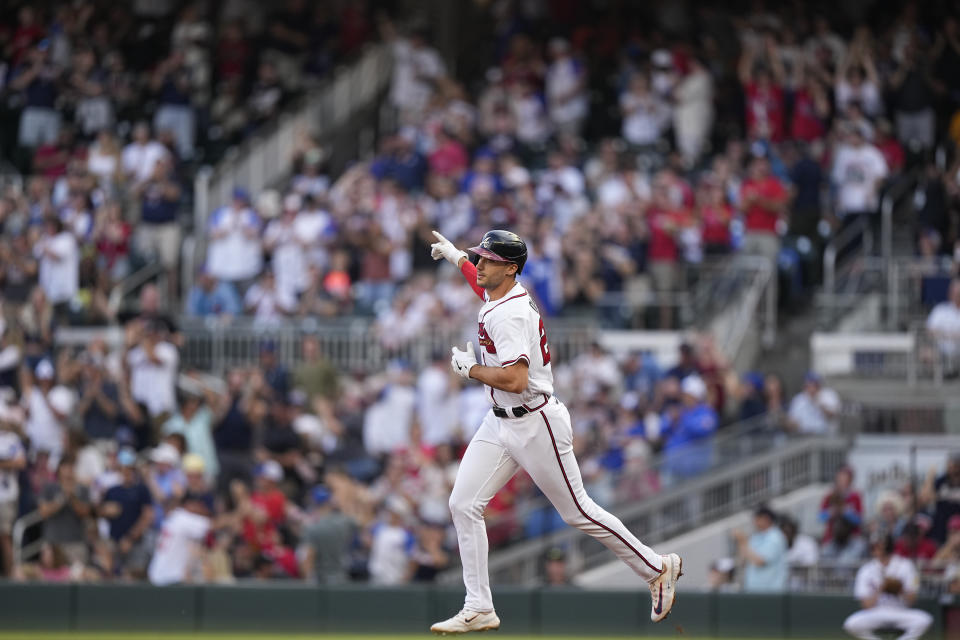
(51, 160)
(764, 200)
(449, 158)
(913, 543)
(664, 223)
(763, 88)
(811, 107)
(889, 146)
(841, 500)
(714, 216)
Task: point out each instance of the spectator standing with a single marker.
(152, 365)
(287, 247)
(764, 200)
(886, 586)
(66, 508)
(99, 404)
(327, 537)
(765, 554)
(141, 156)
(858, 172)
(645, 114)
(48, 408)
(392, 545)
(13, 459)
(566, 88)
(416, 67)
(234, 252)
(943, 323)
(39, 80)
(914, 97)
(195, 421)
(764, 93)
(688, 437)
(179, 553)
(841, 501)
(693, 111)
(815, 410)
(175, 113)
(128, 508)
(158, 233)
(59, 264)
(943, 493)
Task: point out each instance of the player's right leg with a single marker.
(914, 623)
(545, 450)
(485, 468)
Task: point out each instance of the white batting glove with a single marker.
(462, 361)
(443, 248)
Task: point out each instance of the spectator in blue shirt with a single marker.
(687, 433)
(402, 162)
(764, 552)
(40, 82)
(128, 508)
(208, 297)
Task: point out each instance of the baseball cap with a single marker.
(813, 377)
(165, 453)
(320, 495)
(694, 386)
(556, 554)
(44, 370)
(193, 463)
(126, 457)
(239, 193)
(271, 470)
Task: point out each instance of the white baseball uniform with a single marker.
(510, 330)
(890, 610)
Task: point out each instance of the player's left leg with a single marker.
(914, 623)
(546, 452)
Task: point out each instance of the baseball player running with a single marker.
(886, 586)
(526, 427)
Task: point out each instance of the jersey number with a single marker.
(544, 349)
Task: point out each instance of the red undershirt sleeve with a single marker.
(469, 271)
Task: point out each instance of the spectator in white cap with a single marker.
(287, 247)
(392, 544)
(566, 88)
(165, 480)
(814, 411)
(267, 498)
(48, 408)
(687, 432)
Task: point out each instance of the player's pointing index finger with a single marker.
(439, 236)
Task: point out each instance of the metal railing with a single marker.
(22, 552)
(724, 491)
(856, 244)
(833, 577)
(152, 271)
(913, 356)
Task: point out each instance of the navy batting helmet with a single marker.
(502, 246)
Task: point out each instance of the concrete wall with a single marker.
(411, 609)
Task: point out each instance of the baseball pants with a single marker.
(542, 444)
(912, 622)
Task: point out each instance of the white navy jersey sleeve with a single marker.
(511, 330)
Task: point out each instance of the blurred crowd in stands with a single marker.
(920, 522)
(620, 154)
